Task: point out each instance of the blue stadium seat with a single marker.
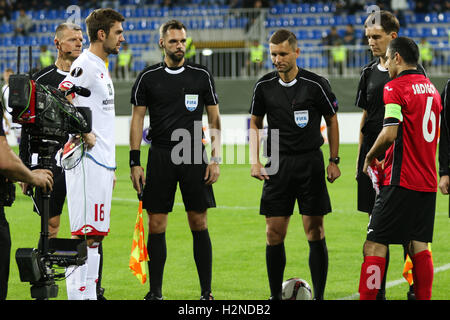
(351, 19)
(410, 32)
(427, 32)
(39, 15)
(132, 38)
(6, 27)
(431, 18)
(301, 61)
(337, 21)
(359, 33)
(7, 40)
(317, 8)
(305, 7)
(442, 32)
(45, 40)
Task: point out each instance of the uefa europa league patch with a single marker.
(76, 72)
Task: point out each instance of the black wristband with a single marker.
(135, 158)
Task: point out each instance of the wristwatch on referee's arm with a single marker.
(335, 160)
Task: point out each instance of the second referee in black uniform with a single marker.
(176, 94)
(294, 101)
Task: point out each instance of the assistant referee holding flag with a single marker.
(175, 94)
(294, 101)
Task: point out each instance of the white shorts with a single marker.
(89, 193)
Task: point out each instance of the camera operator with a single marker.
(12, 168)
(69, 42)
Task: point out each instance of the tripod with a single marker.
(36, 266)
(45, 287)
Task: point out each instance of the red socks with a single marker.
(372, 272)
(422, 274)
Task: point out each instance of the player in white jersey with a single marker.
(90, 183)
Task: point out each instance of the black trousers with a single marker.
(5, 252)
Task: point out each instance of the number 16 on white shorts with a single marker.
(89, 193)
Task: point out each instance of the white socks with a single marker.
(81, 281)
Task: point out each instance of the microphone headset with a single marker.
(58, 46)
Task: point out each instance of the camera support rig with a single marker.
(49, 118)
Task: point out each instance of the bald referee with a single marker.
(176, 93)
(294, 100)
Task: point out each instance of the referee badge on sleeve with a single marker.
(191, 101)
(301, 118)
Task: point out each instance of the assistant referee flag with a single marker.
(139, 254)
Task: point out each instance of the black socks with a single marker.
(276, 262)
(157, 252)
(203, 259)
(318, 265)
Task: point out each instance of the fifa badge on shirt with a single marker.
(191, 101)
(301, 118)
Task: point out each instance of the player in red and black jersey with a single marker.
(405, 208)
(369, 98)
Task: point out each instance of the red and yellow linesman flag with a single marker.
(407, 269)
(139, 254)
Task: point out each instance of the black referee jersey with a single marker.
(444, 150)
(370, 96)
(175, 99)
(295, 109)
(50, 75)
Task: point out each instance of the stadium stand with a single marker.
(227, 27)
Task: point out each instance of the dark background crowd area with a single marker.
(342, 7)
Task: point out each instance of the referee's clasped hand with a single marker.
(259, 172)
(212, 173)
(333, 172)
(137, 176)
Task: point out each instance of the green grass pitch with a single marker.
(238, 238)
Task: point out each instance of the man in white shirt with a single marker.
(8, 124)
(90, 183)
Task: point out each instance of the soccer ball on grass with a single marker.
(296, 289)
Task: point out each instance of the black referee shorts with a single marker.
(401, 215)
(57, 196)
(161, 184)
(365, 193)
(300, 178)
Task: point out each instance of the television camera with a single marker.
(47, 118)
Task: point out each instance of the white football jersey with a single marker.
(89, 71)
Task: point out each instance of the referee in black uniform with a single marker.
(176, 94)
(294, 101)
(444, 150)
(369, 98)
